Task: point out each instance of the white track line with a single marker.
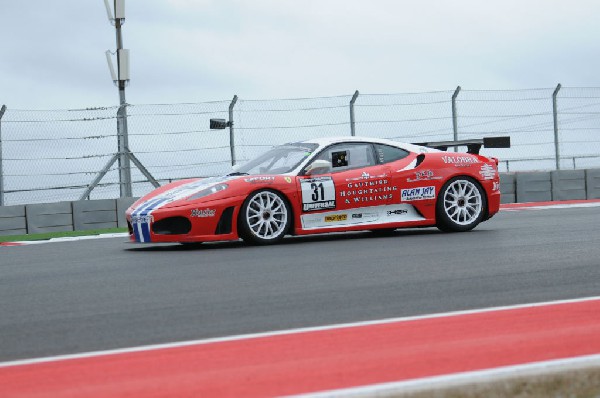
(557, 206)
(288, 332)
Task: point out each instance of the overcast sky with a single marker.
(205, 50)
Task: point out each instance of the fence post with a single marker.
(352, 123)
(123, 142)
(455, 116)
(2, 110)
(555, 115)
(231, 133)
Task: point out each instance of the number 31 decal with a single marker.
(317, 188)
(317, 193)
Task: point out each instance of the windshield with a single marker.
(279, 160)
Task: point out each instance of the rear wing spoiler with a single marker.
(473, 146)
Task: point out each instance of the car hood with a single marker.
(174, 192)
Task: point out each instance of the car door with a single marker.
(343, 193)
(399, 161)
(413, 185)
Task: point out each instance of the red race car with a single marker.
(327, 185)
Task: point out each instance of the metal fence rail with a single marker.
(55, 155)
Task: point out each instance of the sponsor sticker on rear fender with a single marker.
(460, 160)
(487, 172)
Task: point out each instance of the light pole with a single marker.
(2, 110)
(121, 80)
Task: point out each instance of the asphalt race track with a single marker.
(90, 295)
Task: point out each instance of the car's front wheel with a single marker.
(461, 205)
(265, 217)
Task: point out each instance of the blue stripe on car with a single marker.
(146, 205)
(136, 233)
(145, 226)
(142, 211)
(146, 232)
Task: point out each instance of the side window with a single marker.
(348, 156)
(386, 153)
(339, 158)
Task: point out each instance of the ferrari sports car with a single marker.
(327, 185)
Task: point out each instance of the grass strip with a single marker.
(50, 235)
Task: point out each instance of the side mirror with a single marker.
(318, 165)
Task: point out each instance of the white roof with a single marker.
(333, 140)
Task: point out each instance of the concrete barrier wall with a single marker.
(533, 187)
(12, 220)
(592, 183)
(568, 185)
(548, 186)
(49, 217)
(508, 188)
(122, 205)
(64, 216)
(94, 214)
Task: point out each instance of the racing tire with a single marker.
(265, 217)
(461, 205)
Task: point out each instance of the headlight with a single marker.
(208, 191)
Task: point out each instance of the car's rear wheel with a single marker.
(265, 217)
(461, 205)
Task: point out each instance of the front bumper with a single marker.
(195, 222)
